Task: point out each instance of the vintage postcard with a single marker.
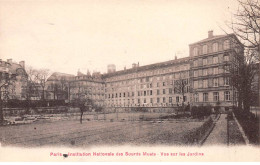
(129, 80)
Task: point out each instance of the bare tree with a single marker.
(42, 77)
(85, 105)
(180, 87)
(242, 74)
(6, 80)
(64, 87)
(82, 100)
(31, 84)
(245, 24)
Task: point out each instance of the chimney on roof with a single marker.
(175, 57)
(9, 61)
(78, 73)
(138, 64)
(111, 68)
(125, 68)
(22, 63)
(88, 73)
(210, 34)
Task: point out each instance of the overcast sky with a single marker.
(65, 36)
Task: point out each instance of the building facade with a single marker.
(58, 85)
(87, 86)
(13, 80)
(202, 78)
(148, 86)
(212, 59)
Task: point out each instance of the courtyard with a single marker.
(102, 129)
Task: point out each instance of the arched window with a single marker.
(205, 49)
(226, 44)
(215, 47)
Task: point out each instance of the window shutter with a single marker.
(220, 58)
(200, 62)
(200, 84)
(210, 82)
(210, 58)
(210, 70)
(200, 72)
(220, 69)
(221, 81)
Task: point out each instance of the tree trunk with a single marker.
(81, 115)
(43, 93)
(239, 101)
(247, 102)
(1, 112)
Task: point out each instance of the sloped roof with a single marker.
(147, 67)
(80, 74)
(14, 67)
(210, 39)
(58, 76)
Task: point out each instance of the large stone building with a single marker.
(58, 85)
(148, 86)
(13, 80)
(202, 78)
(87, 86)
(211, 62)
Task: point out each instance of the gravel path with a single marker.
(219, 134)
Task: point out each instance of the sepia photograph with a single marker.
(129, 80)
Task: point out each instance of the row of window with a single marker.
(147, 86)
(215, 96)
(215, 48)
(210, 82)
(150, 79)
(210, 71)
(151, 73)
(151, 100)
(145, 93)
(210, 60)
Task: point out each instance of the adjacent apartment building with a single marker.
(13, 80)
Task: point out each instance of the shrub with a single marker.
(200, 111)
(249, 123)
(194, 111)
(197, 134)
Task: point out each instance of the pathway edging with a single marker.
(241, 130)
(209, 132)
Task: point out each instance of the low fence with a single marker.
(255, 111)
(142, 109)
(198, 134)
(66, 109)
(38, 110)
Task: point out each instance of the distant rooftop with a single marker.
(58, 75)
(147, 67)
(212, 37)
